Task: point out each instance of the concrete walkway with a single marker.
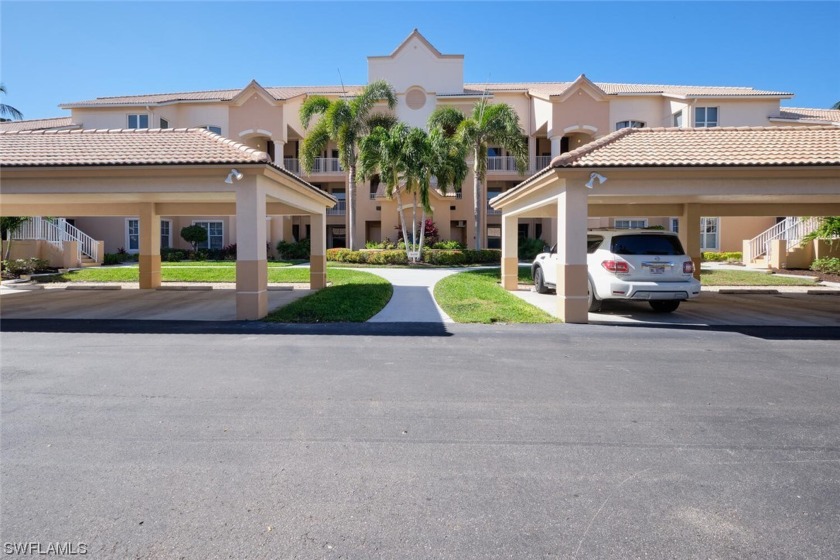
(413, 300)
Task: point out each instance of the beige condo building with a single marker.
(556, 117)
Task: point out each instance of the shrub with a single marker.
(444, 256)
(194, 235)
(294, 250)
(483, 256)
(172, 255)
(530, 248)
(448, 245)
(828, 265)
(111, 258)
(734, 256)
(228, 252)
(391, 256)
(18, 267)
(386, 244)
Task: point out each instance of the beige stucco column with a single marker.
(572, 279)
(690, 235)
(149, 247)
(510, 248)
(251, 265)
(318, 252)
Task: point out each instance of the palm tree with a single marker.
(496, 124)
(836, 105)
(7, 112)
(407, 159)
(345, 122)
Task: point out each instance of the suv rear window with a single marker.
(593, 242)
(646, 245)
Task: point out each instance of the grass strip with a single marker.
(476, 296)
(276, 274)
(353, 297)
(748, 278)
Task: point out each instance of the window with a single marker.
(705, 117)
(132, 235)
(494, 237)
(522, 231)
(138, 121)
(374, 186)
(677, 118)
(213, 128)
(709, 234)
(675, 225)
(165, 234)
(630, 223)
(164, 123)
(629, 124)
(215, 234)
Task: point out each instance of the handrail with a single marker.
(56, 232)
(791, 229)
(319, 165)
(339, 209)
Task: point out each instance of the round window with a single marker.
(415, 98)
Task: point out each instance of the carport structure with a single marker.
(678, 172)
(169, 172)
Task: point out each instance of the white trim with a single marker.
(138, 115)
(170, 233)
(629, 221)
(703, 234)
(208, 222)
(578, 127)
(127, 238)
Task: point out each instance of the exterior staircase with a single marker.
(792, 229)
(56, 231)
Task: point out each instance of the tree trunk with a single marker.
(414, 224)
(402, 220)
(351, 208)
(477, 199)
(422, 232)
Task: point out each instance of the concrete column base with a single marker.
(149, 271)
(510, 273)
(572, 288)
(317, 272)
(251, 290)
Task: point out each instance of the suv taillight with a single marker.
(688, 267)
(616, 267)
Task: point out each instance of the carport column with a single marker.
(149, 247)
(572, 279)
(510, 249)
(251, 266)
(690, 235)
(318, 251)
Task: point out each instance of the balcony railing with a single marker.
(540, 162)
(339, 209)
(501, 164)
(320, 165)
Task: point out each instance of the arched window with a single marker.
(629, 124)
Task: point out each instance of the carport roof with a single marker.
(781, 146)
(183, 146)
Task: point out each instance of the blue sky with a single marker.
(55, 52)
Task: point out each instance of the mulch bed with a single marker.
(824, 277)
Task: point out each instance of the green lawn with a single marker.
(354, 297)
(477, 297)
(749, 278)
(213, 264)
(276, 274)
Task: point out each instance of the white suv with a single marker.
(629, 264)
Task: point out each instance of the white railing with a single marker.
(320, 165)
(791, 229)
(292, 165)
(55, 232)
(501, 164)
(339, 209)
(540, 162)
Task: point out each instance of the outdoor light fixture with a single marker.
(238, 174)
(595, 177)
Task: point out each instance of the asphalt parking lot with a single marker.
(470, 442)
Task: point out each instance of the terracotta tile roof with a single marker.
(558, 88)
(804, 114)
(279, 93)
(38, 124)
(122, 147)
(720, 146)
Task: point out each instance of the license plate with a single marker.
(657, 270)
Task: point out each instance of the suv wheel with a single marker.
(665, 306)
(539, 282)
(594, 302)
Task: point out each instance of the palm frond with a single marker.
(314, 143)
(315, 105)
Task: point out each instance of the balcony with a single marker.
(501, 164)
(339, 209)
(539, 163)
(321, 165)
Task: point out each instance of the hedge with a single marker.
(735, 256)
(430, 256)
